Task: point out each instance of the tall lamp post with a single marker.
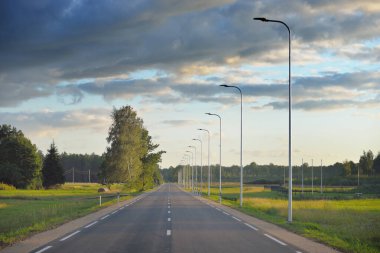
(208, 156)
(220, 154)
(192, 170)
(196, 169)
(241, 139)
(201, 164)
(290, 209)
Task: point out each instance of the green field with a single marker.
(25, 212)
(350, 224)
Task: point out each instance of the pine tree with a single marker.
(52, 170)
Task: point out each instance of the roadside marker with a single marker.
(250, 226)
(276, 240)
(91, 224)
(44, 249)
(70, 235)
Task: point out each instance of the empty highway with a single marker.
(167, 220)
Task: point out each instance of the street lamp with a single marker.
(290, 191)
(192, 170)
(208, 179)
(196, 169)
(241, 139)
(220, 154)
(201, 164)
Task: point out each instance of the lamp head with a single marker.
(208, 113)
(261, 19)
(224, 85)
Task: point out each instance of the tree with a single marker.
(20, 163)
(376, 164)
(349, 168)
(129, 157)
(52, 171)
(150, 172)
(366, 162)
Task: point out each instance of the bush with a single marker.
(6, 187)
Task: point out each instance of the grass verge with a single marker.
(26, 212)
(348, 225)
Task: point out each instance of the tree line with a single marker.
(130, 158)
(340, 173)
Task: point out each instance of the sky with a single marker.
(64, 66)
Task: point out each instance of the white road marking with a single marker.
(70, 235)
(105, 217)
(226, 213)
(276, 240)
(236, 218)
(298, 251)
(169, 207)
(168, 232)
(217, 208)
(114, 212)
(250, 226)
(44, 249)
(168, 211)
(169, 219)
(91, 224)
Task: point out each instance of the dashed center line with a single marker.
(250, 226)
(169, 219)
(169, 207)
(168, 232)
(169, 212)
(70, 235)
(44, 249)
(236, 218)
(105, 217)
(91, 224)
(276, 240)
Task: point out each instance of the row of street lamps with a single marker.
(290, 214)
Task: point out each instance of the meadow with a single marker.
(337, 217)
(25, 212)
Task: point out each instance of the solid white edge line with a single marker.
(105, 217)
(44, 249)
(250, 226)
(236, 218)
(91, 224)
(70, 235)
(276, 240)
(168, 232)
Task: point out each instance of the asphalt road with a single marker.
(167, 220)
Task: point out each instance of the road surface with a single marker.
(167, 220)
